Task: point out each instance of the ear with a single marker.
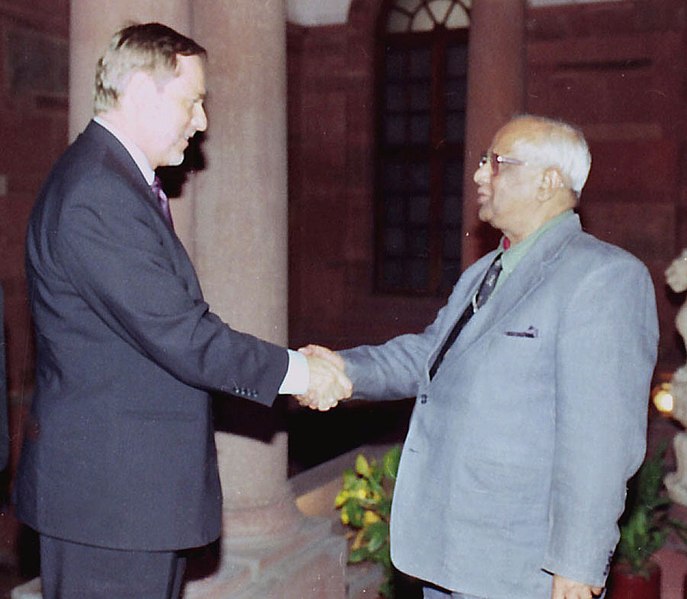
(140, 90)
(551, 182)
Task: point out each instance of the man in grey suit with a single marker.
(530, 420)
(118, 472)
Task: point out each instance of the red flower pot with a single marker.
(623, 584)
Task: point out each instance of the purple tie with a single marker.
(162, 200)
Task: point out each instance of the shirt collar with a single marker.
(134, 151)
(513, 255)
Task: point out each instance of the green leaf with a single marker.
(358, 555)
(377, 534)
(362, 466)
(390, 462)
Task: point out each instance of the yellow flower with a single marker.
(369, 517)
(345, 519)
(360, 494)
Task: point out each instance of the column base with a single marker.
(309, 563)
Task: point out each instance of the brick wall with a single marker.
(33, 132)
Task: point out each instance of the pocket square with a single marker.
(530, 333)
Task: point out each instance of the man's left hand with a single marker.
(564, 588)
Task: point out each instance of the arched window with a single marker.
(421, 130)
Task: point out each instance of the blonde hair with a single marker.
(149, 47)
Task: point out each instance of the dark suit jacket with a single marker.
(119, 451)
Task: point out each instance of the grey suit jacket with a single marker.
(519, 450)
(119, 450)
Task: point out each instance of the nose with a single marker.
(200, 119)
(482, 174)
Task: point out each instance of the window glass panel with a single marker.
(418, 273)
(395, 98)
(452, 211)
(393, 210)
(394, 129)
(393, 177)
(419, 177)
(458, 18)
(418, 210)
(395, 64)
(420, 63)
(440, 9)
(419, 96)
(395, 242)
(422, 21)
(452, 244)
(455, 127)
(398, 22)
(393, 273)
(419, 129)
(456, 92)
(418, 244)
(453, 178)
(409, 6)
(457, 61)
(450, 274)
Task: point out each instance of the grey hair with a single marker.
(148, 47)
(559, 144)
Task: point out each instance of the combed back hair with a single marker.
(148, 47)
(558, 144)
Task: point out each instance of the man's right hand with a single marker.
(328, 381)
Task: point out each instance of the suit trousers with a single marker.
(75, 571)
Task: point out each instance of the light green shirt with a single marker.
(516, 252)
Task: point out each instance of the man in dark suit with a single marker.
(119, 471)
(532, 387)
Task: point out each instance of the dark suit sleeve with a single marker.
(116, 253)
(4, 428)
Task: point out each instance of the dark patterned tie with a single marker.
(162, 200)
(485, 289)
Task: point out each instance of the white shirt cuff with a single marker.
(297, 378)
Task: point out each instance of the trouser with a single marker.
(75, 571)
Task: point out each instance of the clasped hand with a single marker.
(328, 381)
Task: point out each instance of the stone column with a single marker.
(269, 549)
(496, 84)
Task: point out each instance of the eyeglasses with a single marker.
(494, 160)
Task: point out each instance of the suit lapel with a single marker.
(523, 281)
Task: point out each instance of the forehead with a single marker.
(514, 133)
(190, 74)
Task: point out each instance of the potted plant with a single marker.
(644, 529)
(365, 504)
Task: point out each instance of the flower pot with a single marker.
(623, 584)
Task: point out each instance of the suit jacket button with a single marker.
(423, 398)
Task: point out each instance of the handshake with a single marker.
(328, 381)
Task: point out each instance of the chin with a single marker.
(484, 215)
(175, 160)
